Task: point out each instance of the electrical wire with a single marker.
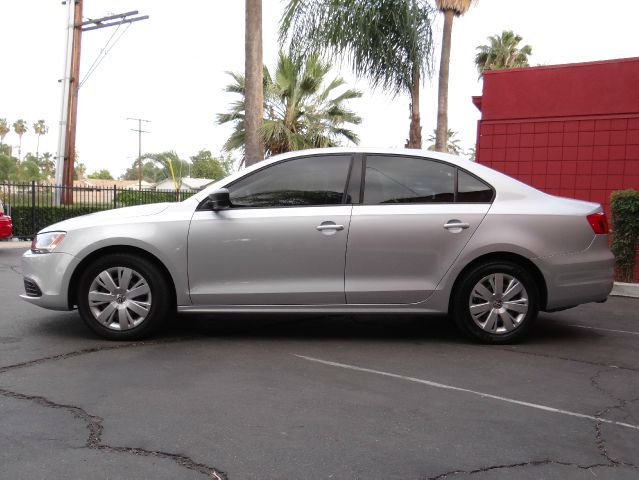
(103, 52)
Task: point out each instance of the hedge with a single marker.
(624, 205)
(21, 216)
(136, 197)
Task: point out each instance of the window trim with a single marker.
(203, 204)
(456, 168)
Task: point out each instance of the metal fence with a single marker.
(33, 206)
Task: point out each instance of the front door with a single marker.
(282, 243)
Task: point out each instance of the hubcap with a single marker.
(120, 298)
(498, 303)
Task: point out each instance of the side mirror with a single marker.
(219, 199)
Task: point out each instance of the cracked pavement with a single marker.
(229, 397)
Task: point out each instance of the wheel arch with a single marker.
(510, 257)
(77, 273)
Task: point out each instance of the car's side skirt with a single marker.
(337, 309)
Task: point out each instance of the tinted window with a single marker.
(303, 181)
(394, 179)
(472, 190)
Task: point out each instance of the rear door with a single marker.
(415, 217)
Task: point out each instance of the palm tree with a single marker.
(253, 64)
(4, 129)
(299, 111)
(172, 165)
(20, 127)
(503, 51)
(452, 143)
(450, 9)
(40, 129)
(387, 41)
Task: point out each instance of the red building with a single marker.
(569, 130)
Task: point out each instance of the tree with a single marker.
(503, 51)
(4, 129)
(450, 9)
(389, 42)
(254, 150)
(79, 169)
(171, 165)
(204, 165)
(300, 111)
(47, 166)
(20, 127)
(103, 174)
(40, 128)
(150, 172)
(7, 167)
(452, 143)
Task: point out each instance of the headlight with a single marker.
(46, 242)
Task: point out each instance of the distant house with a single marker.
(188, 184)
(119, 184)
(99, 191)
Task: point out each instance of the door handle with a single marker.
(330, 226)
(453, 224)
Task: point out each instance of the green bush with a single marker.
(625, 231)
(22, 217)
(136, 197)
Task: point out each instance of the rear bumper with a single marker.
(51, 273)
(577, 278)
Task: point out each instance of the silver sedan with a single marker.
(332, 231)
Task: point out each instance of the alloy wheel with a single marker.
(119, 298)
(498, 303)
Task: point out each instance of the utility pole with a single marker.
(140, 132)
(71, 86)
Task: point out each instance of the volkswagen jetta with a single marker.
(332, 231)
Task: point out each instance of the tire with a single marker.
(488, 313)
(123, 297)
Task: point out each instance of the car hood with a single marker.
(108, 216)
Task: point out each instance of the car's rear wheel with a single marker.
(496, 302)
(123, 297)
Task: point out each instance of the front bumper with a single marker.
(51, 273)
(583, 277)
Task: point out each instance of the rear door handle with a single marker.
(452, 224)
(330, 226)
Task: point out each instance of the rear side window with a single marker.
(472, 190)
(305, 181)
(395, 179)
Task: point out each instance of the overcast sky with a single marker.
(171, 68)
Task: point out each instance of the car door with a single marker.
(415, 217)
(283, 241)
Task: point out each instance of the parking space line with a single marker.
(605, 329)
(472, 392)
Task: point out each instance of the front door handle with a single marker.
(329, 226)
(456, 224)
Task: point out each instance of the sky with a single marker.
(171, 70)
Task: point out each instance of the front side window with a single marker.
(395, 179)
(306, 181)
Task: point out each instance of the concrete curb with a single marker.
(621, 289)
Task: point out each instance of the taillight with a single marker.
(599, 223)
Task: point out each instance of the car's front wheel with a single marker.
(123, 297)
(496, 302)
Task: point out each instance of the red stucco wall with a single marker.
(569, 130)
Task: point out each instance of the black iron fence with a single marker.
(33, 206)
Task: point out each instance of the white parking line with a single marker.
(605, 329)
(472, 392)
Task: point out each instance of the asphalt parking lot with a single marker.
(244, 397)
